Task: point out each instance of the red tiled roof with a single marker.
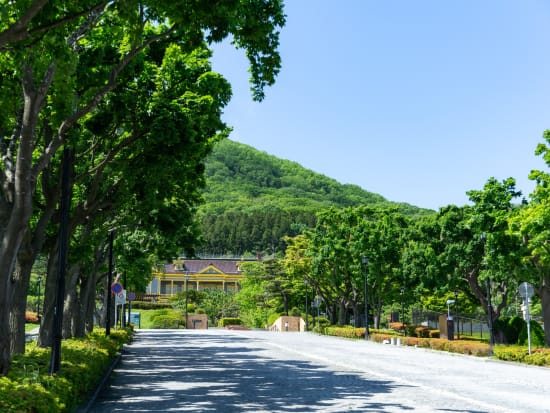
(199, 265)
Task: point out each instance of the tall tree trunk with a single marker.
(71, 307)
(356, 313)
(545, 298)
(20, 206)
(378, 313)
(20, 280)
(87, 302)
(341, 312)
(45, 337)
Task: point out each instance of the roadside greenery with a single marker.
(29, 388)
(122, 97)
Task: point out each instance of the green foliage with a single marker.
(148, 305)
(161, 318)
(223, 322)
(453, 346)
(510, 353)
(167, 321)
(539, 357)
(537, 335)
(510, 327)
(295, 312)
(253, 200)
(29, 388)
(520, 354)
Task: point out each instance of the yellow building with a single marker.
(200, 274)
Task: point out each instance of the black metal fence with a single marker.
(463, 325)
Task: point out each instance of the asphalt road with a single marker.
(256, 371)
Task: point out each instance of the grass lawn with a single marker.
(31, 326)
(147, 315)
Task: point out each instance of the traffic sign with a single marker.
(131, 296)
(116, 288)
(120, 298)
(526, 290)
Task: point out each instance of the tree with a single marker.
(54, 100)
(532, 223)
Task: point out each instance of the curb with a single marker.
(84, 408)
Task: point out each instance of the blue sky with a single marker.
(418, 101)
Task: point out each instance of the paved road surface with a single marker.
(256, 371)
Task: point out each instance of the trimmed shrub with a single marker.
(537, 335)
(539, 357)
(148, 305)
(510, 353)
(31, 317)
(398, 326)
(167, 321)
(295, 312)
(223, 322)
(434, 334)
(345, 331)
(29, 388)
(508, 329)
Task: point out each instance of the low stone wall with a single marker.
(197, 321)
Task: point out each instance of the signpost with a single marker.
(116, 288)
(526, 291)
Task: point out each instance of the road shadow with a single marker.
(167, 371)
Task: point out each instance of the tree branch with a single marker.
(92, 104)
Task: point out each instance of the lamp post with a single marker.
(39, 281)
(266, 312)
(403, 308)
(450, 321)
(186, 277)
(306, 326)
(365, 262)
(457, 315)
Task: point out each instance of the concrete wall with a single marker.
(288, 323)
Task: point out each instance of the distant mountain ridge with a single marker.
(250, 193)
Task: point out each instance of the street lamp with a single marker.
(450, 322)
(365, 261)
(39, 281)
(186, 277)
(307, 327)
(457, 315)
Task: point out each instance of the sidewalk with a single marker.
(32, 334)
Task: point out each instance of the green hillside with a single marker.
(253, 199)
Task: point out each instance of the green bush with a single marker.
(29, 388)
(295, 312)
(537, 335)
(148, 305)
(434, 334)
(167, 321)
(510, 328)
(223, 322)
(345, 331)
(453, 346)
(539, 357)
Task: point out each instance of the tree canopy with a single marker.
(127, 87)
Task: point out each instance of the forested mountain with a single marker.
(253, 199)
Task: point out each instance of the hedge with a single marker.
(228, 321)
(29, 388)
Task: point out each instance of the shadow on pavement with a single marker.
(168, 371)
